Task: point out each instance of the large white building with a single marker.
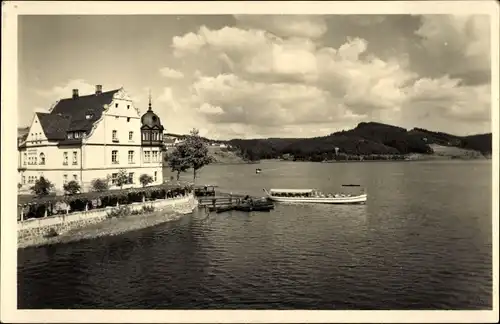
(94, 136)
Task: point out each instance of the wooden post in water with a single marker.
(45, 211)
(22, 213)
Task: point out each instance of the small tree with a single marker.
(121, 178)
(19, 186)
(99, 185)
(42, 187)
(145, 179)
(178, 160)
(197, 149)
(72, 187)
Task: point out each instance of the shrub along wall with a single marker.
(58, 224)
(50, 205)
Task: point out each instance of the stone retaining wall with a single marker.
(39, 227)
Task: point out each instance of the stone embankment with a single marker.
(99, 222)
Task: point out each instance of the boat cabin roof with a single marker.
(292, 190)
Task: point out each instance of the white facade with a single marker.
(113, 144)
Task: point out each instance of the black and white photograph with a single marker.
(292, 156)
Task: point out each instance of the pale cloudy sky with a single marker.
(267, 76)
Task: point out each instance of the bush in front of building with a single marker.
(42, 187)
(72, 187)
(99, 185)
(145, 179)
(121, 179)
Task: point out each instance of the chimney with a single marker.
(75, 93)
(98, 89)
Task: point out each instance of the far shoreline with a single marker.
(418, 159)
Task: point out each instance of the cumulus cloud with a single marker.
(289, 75)
(66, 90)
(171, 73)
(459, 44)
(282, 80)
(308, 26)
(448, 98)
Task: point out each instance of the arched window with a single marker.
(42, 159)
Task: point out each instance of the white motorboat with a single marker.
(313, 196)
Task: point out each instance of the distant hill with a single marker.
(368, 140)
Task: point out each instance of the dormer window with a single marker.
(77, 134)
(70, 135)
(89, 116)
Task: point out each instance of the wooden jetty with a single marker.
(223, 203)
(219, 201)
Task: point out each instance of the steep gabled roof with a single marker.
(76, 110)
(54, 126)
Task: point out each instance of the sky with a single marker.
(254, 76)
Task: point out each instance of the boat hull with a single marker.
(361, 199)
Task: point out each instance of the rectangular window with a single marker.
(65, 158)
(128, 119)
(147, 156)
(130, 135)
(116, 105)
(75, 177)
(65, 178)
(115, 136)
(155, 175)
(131, 178)
(24, 179)
(155, 156)
(114, 157)
(128, 106)
(130, 157)
(75, 157)
(36, 160)
(77, 134)
(25, 158)
(113, 178)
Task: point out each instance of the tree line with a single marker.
(368, 141)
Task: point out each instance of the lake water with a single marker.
(423, 241)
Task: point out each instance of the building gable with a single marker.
(36, 133)
(122, 105)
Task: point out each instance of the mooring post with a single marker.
(143, 198)
(87, 206)
(45, 211)
(22, 213)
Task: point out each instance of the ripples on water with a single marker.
(422, 242)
